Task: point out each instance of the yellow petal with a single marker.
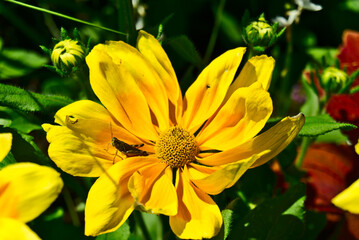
(257, 69)
(81, 146)
(11, 229)
(348, 199)
(153, 190)
(356, 148)
(206, 94)
(152, 50)
(5, 143)
(272, 142)
(109, 203)
(30, 190)
(239, 120)
(129, 88)
(198, 215)
(225, 177)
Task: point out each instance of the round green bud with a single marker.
(67, 54)
(334, 78)
(259, 33)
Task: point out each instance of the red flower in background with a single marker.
(330, 169)
(349, 51)
(345, 107)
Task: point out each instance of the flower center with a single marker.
(176, 147)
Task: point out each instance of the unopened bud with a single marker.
(259, 33)
(67, 54)
(334, 78)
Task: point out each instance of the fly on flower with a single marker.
(142, 99)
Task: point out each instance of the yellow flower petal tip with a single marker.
(143, 108)
(27, 184)
(5, 143)
(357, 148)
(348, 199)
(11, 229)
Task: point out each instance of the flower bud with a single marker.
(334, 78)
(259, 33)
(67, 54)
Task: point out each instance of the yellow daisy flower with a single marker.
(26, 190)
(185, 148)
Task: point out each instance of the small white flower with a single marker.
(307, 5)
(294, 15)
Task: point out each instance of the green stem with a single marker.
(64, 16)
(82, 78)
(141, 222)
(126, 22)
(285, 84)
(213, 38)
(303, 150)
(71, 207)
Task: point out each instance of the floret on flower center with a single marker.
(176, 147)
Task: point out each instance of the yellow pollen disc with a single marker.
(176, 147)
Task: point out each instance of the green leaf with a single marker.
(231, 28)
(311, 105)
(19, 62)
(257, 184)
(335, 136)
(227, 215)
(24, 149)
(352, 5)
(152, 224)
(277, 218)
(23, 100)
(318, 125)
(51, 225)
(328, 55)
(9, 159)
(22, 122)
(122, 233)
(186, 49)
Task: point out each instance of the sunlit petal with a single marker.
(206, 94)
(5, 143)
(257, 69)
(152, 50)
(109, 202)
(239, 120)
(27, 189)
(198, 215)
(348, 199)
(129, 88)
(153, 190)
(81, 146)
(273, 140)
(11, 229)
(222, 178)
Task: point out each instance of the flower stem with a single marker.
(125, 20)
(141, 222)
(64, 16)
(303, 150)
(213, 38)
(71, 207)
